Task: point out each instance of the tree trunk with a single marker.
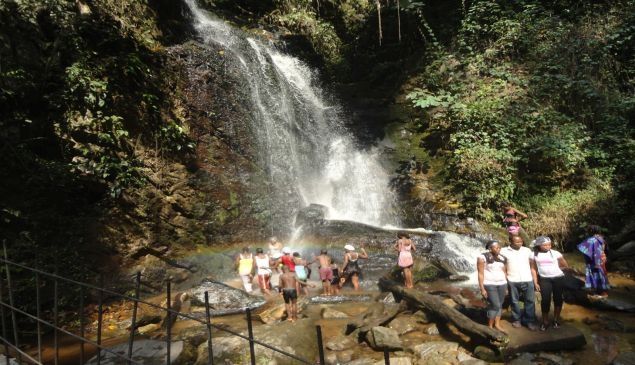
(435, 306)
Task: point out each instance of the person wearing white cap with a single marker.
(549, 264)
(351, 264)
(287, 259)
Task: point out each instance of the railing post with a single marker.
(320, 345)
(38, 314)
(100, 317)
(11, 302)
(250, 330)
(208, 318)
(4, 325)
(169, 323)
(55, 321)
(386, 357)
(133, 323)
(81, 325)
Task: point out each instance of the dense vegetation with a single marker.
(528, 101)
(534, 104)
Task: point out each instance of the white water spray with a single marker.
(300, 133)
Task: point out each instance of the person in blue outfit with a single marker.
(594, 250)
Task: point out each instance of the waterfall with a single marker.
(300, 134)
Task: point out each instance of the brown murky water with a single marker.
(604, 339)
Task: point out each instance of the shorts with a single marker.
(326, 273)
(289, 294)
(264, 281)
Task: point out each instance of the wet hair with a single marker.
(489, 244)
(259, 250)
(403, 235)
(323, 252)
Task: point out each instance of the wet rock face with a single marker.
(312, 215)
(224, 299)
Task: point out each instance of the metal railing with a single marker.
(13, 346)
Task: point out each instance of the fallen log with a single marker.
(435, 306)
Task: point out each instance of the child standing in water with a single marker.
(288, 282)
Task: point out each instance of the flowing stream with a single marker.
(300, 133)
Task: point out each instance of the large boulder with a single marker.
(383, 338)
(437, 352)
(312, 215)
(147, 352)
(566, 337)
(223, 299)
(403, 324)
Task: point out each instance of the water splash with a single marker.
(301, 134)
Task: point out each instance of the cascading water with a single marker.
(301, 134)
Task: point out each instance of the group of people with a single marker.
(521, 271)
(290, 271)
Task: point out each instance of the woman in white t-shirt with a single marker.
(549, 265)
(492, 281)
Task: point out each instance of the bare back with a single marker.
(324, 260)
(288, 280)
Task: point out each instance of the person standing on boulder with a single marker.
(594, 250)
(245, 265)
(275, 247)
(351, 264)
(492, 281)
(511, 220)
(405, 247)
(522, 281)
(549, 265)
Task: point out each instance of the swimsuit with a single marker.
(326, 273)
(289, 294)
(352, 267)
(336, 276)
(405, 256)
(300, 271)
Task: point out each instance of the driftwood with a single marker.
(435, 306)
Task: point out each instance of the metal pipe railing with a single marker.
(170, 314)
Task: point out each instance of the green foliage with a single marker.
(534, 99)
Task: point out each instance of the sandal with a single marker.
(556, 324)
(543, 327)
